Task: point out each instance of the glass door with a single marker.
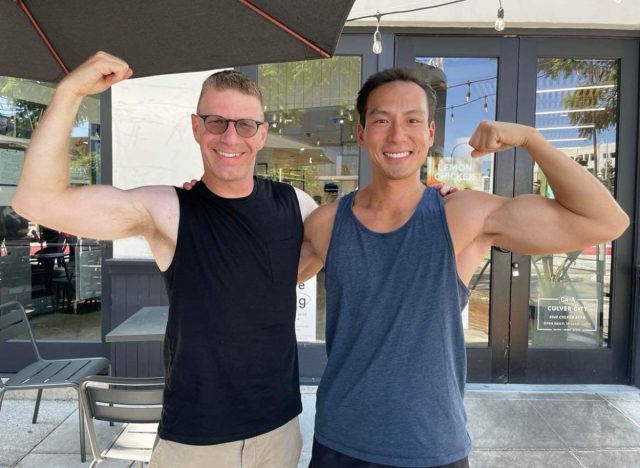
(474, 80)
(560, 318)
(571, 318)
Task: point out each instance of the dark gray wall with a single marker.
(132, 284)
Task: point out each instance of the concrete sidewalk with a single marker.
(511, 426)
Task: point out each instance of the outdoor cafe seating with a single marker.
(134, 402)
(42, 373)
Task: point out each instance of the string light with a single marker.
(499, 26)
(486, 105)
(377, 37)
(405, 11)
(451, 113)
(455, 106)
(467, 96)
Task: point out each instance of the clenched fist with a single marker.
(95, 75)
(491, 137)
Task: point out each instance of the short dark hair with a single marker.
(231, 79)
(389, 76)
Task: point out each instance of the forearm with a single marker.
(45, 174)
(574, 188)
(310, 264)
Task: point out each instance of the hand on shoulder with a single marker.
(444, 189)
(189, 185)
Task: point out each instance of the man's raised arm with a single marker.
(583, 212)
(44, 194)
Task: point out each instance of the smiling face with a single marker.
(397, 132)
(228, 158)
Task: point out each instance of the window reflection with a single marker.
(51, 273)
(312, 144)
(576, 110)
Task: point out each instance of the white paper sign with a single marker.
(10, 165)
(465, 317)
(306, 310)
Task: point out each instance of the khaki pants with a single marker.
(279, 448)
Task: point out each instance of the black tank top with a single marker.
(230, 346)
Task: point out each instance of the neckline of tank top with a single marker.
(389, 233)
(204, 190)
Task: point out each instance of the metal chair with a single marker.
(44, 373)
(135, 402)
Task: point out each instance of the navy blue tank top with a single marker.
(230, 345)
(392, 391)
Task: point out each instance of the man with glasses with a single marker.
(229, 252)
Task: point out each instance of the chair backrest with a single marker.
(120, 399)
(14, 323)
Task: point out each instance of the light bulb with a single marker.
(467, 96)
(377, 38)
(486, 105)
(377, 42)
(499, 26)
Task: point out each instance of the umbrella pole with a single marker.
(286, 29)
(42, 35)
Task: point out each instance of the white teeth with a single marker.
(404, 154)
(228, 155)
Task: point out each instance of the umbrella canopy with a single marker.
(43, 39)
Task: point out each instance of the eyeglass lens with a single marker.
(218, 125)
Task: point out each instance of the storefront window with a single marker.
(312, 144)
(576, 110)
(56, 276)
(466, 94)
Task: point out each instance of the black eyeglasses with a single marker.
(217, 125)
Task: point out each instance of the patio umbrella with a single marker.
(44, 39)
